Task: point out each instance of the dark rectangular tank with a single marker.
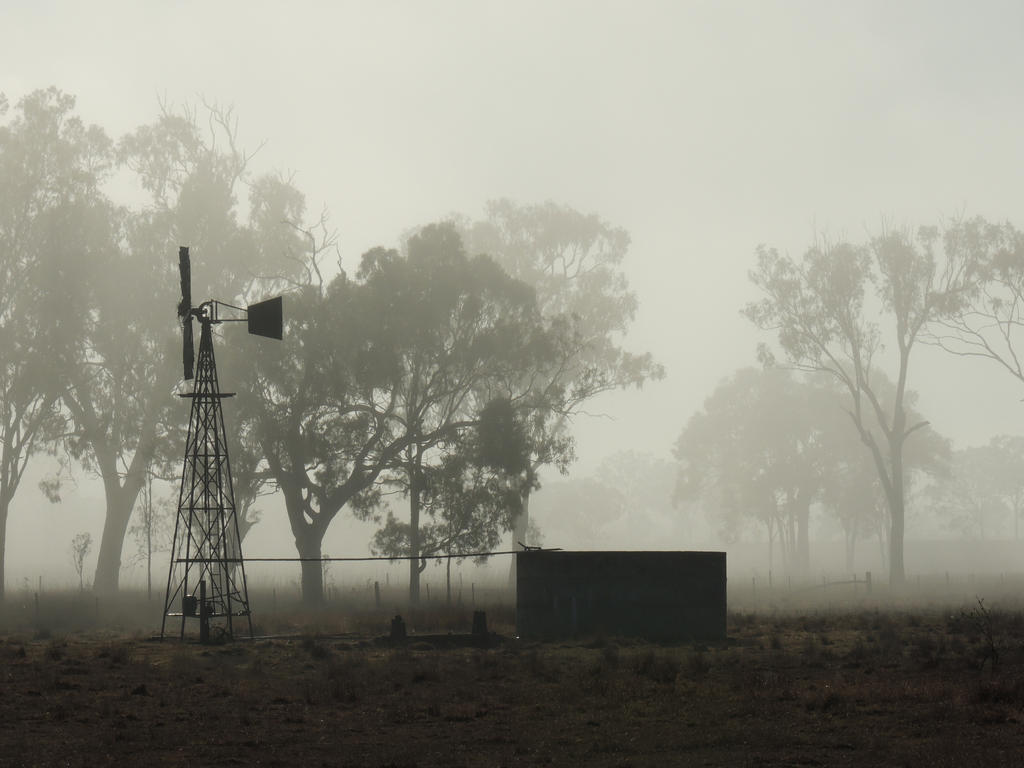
(653, 595)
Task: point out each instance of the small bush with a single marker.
(859, 650)
(927, 650)
(1000, 691)
(610, 655)
(55, 650)
(535, 664)
(890, 643)
(256, 666)
(697, 664)
(656, 666)
(426, 672)
(811, 649)
(315, 648)
(116, 652)
(742, 620)
(983, 622)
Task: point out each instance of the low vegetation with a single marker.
(932, 687)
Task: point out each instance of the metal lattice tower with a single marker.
(206, 578)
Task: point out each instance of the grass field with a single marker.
(930, 687)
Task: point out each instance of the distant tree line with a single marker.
(423, 389)
(770, 446)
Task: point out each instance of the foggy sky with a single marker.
(704, 129)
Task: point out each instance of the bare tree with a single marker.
(152, 529)
(81, 545)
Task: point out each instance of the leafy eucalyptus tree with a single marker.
(314, 407)
(119, 390)
(984, 488)
(989, 325)
(969, 498)
(758, 452)
(833, 309)
(458, 333)
(380, 377)
(54, 219)
(469, 496)
(574, 263)
(769, 447)
(1007, 475)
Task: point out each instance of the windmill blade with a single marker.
(185, 268)
(187, 352)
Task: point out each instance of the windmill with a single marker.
(206, 577)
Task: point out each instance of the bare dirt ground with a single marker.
(932, 688)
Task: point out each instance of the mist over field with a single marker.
(657, 184)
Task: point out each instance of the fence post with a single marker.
(376, 593)
(867, 582)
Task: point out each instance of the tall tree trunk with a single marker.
(414, 547)
(147, 529)
(120, 501)
(896, 508)
(5, 506)
(244, 523)
(121, 494)
(310, 545)
(414, 531)
(787, 534)
(308, 529)
(149, 538)
(803, 544)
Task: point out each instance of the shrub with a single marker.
(656, 666)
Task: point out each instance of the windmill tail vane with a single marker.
(206, 576)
